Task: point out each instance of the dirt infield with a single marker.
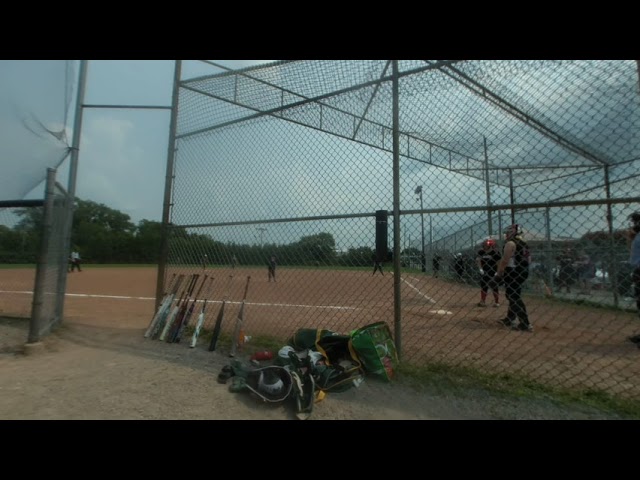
(572, 345)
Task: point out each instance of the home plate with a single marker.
(441, 312)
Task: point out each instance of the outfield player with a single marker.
(271, 266)
(487, 260)
(514, 269)
(75, 261)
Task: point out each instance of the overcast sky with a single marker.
(123, 152)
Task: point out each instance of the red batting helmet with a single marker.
(489, 243)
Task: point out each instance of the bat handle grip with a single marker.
(246, 288)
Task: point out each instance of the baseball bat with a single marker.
(176, 309)
(201, 316)
(166, 304)
(547, 291)
(187, 317)
(239, 321)
(165, 296)
(218, 325)
(182, 311)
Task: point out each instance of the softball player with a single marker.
(487, 260)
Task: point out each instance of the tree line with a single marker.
(103, 235)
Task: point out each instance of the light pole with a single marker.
(418, 191)
(261, 230)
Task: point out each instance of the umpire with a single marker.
(514, 269)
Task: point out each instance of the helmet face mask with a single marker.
(270, 383)
(512, 230)
(634, 218)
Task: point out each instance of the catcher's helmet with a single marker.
(635, 219)
(512, 230)
(270, 383)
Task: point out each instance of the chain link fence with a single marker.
(18, 255)
(34, 233)
(292, 160)
(36, 114)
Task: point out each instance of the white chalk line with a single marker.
(437, 312)
(122, 297)
(419, 292)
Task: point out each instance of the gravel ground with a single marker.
(84, 372)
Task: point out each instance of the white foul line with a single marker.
(85, 295)
(419, 292)
(332, 307)
(122, 297)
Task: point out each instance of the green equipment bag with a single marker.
(341, 369)
(376, 350)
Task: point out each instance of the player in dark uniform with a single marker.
(487, 260)
(271, 265)
(514, 269)
(436, 265)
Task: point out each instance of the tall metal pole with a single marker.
(36, 324)
(422, 257)
(613, 268)
(397, 305)
(261, 230)
(549, 255)
(487, 187)
(71, 188)
(430, 235)
(512, 196)
(168, 184)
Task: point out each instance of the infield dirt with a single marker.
(97, 365)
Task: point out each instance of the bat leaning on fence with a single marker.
(239, 321)
(187, 317)
(201, 317)
(176, 308)
(220, 318)
(162, 321)
(166, 303)
(182, 312)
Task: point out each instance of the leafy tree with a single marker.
(315, 249)
(358, 257)
(102, 234)
(147, 240)
(15, 246)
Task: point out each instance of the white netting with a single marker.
(36, 98)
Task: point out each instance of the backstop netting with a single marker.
(36, 114)
(293, 159)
